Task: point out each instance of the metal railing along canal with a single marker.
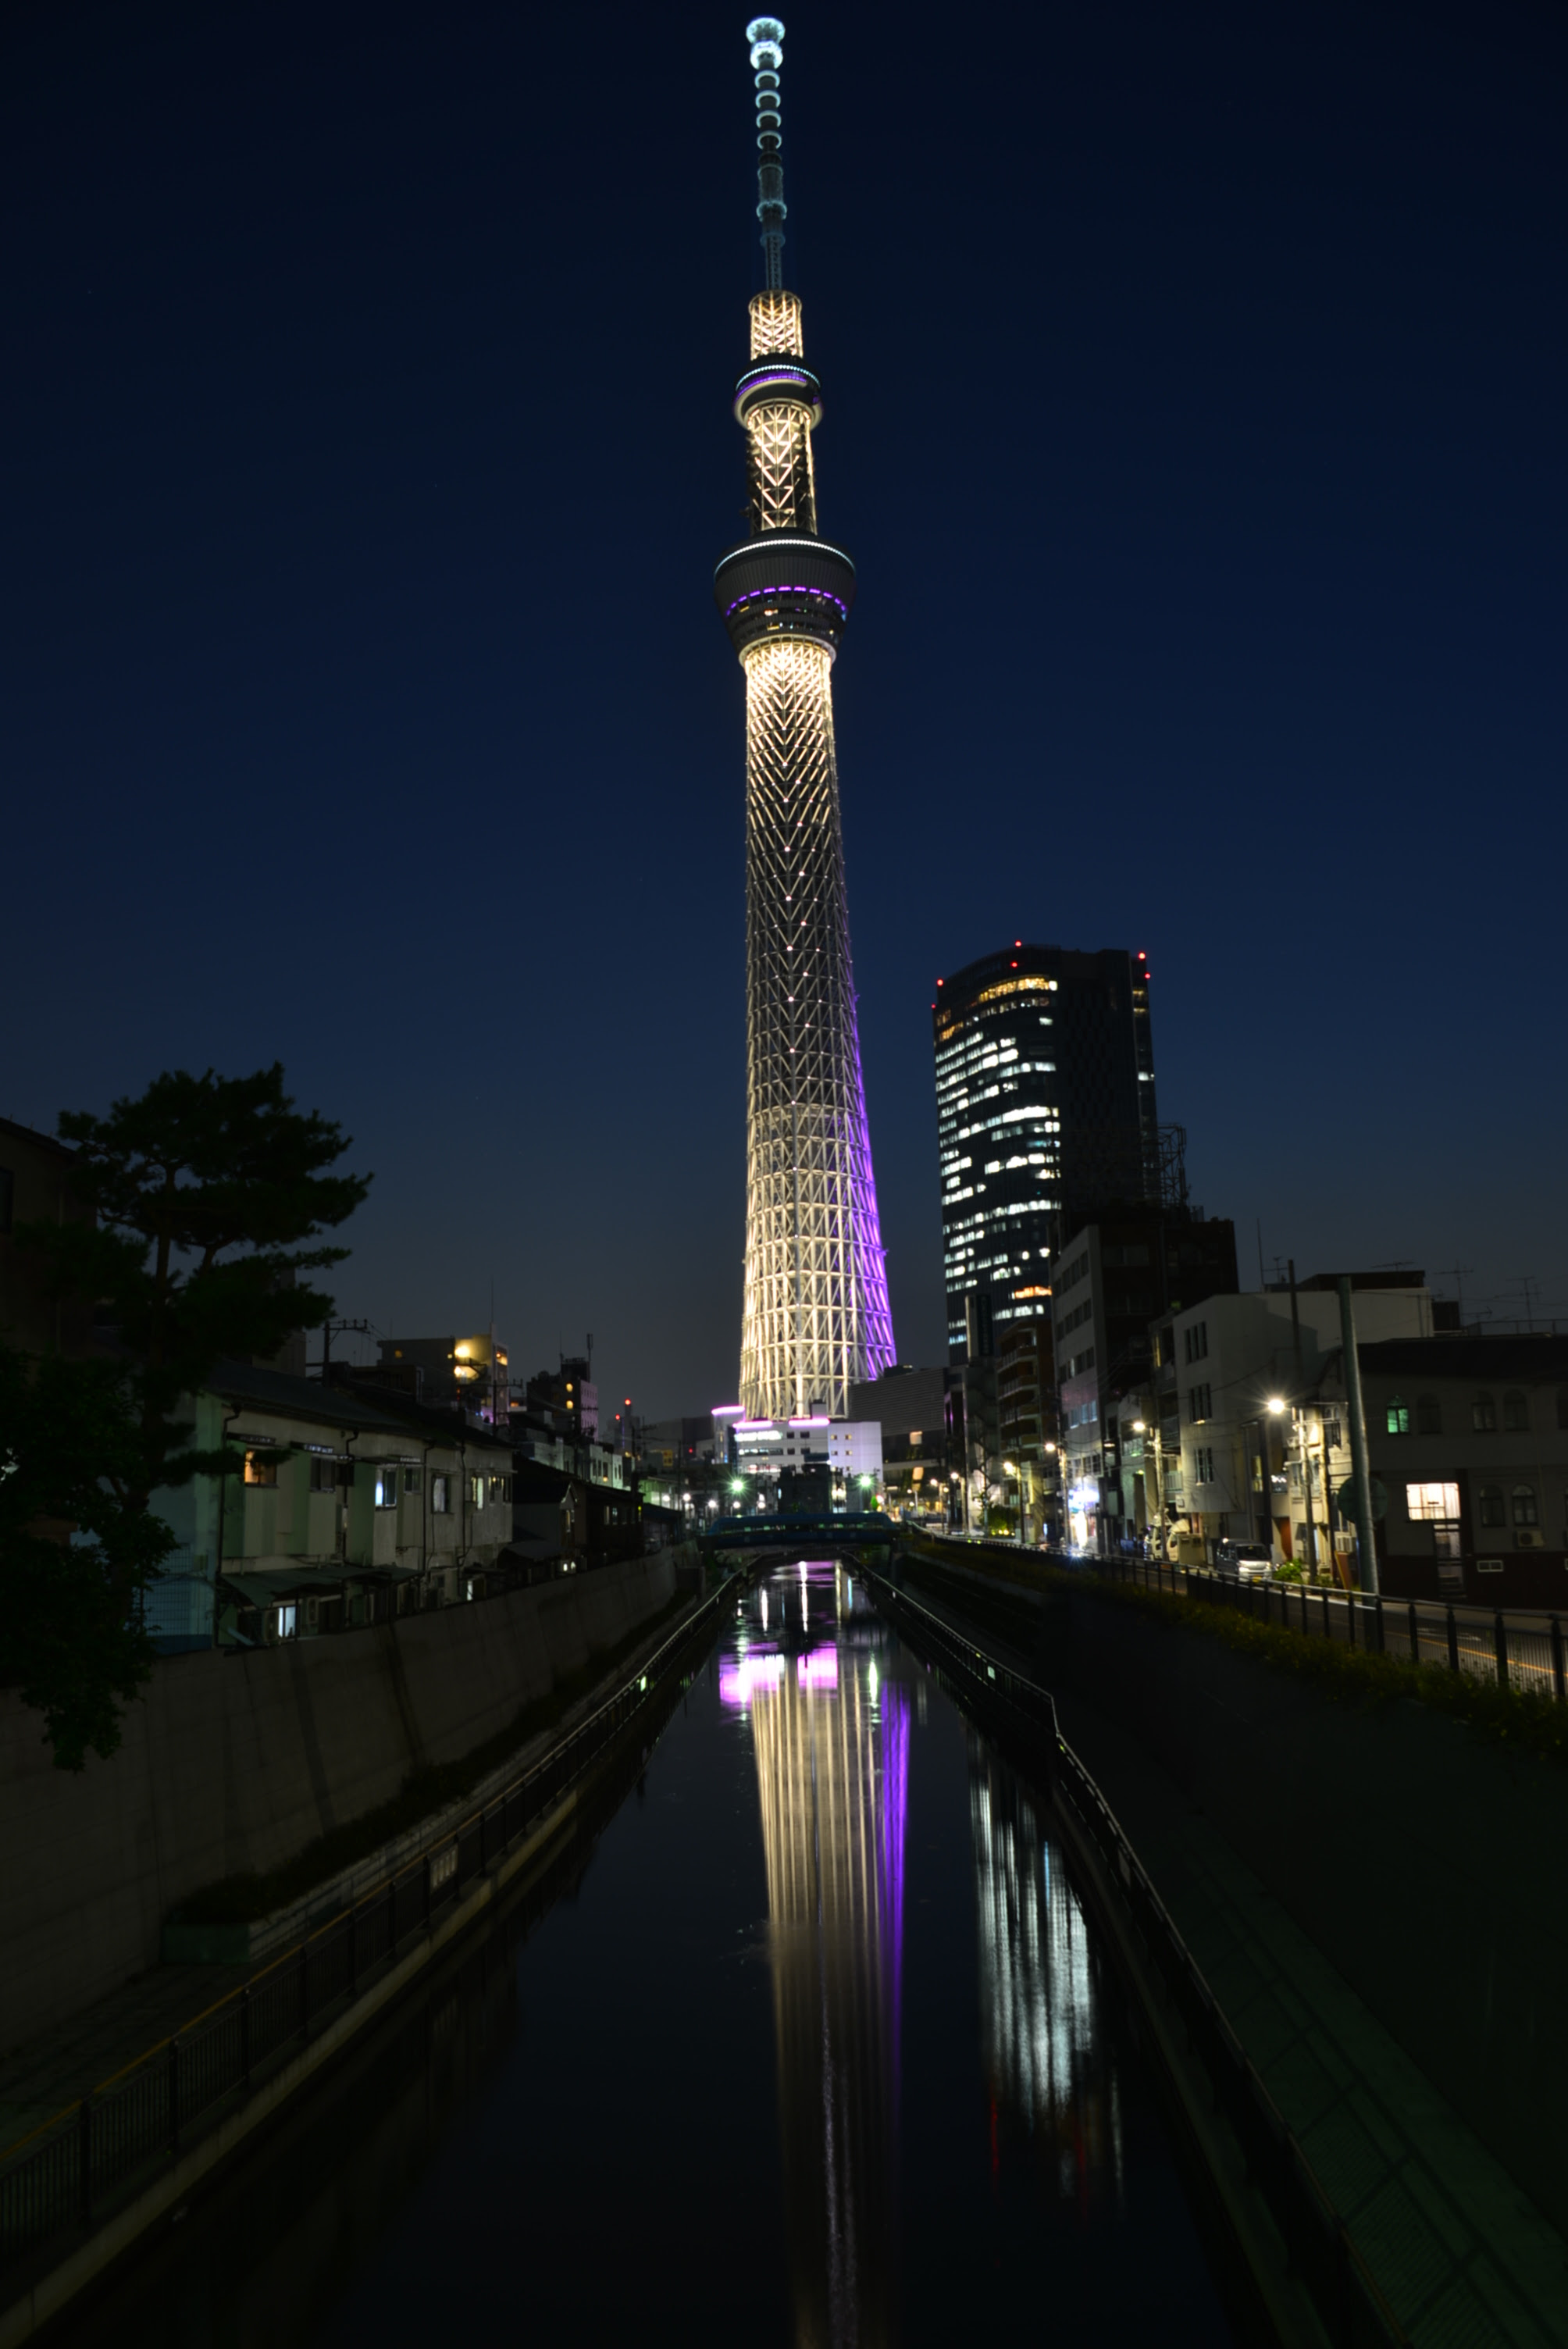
(1521, 1651)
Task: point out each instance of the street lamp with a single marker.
(1011, 1468)
(1264, 1513)
(1139, 1427)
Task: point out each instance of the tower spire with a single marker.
(815, 1321)
(766, 34)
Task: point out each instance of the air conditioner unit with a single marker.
(1528, 1537)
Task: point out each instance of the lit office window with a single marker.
(1432, 1504)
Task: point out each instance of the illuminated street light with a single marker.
(1276, 1404)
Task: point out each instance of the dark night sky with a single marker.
(1194, 393)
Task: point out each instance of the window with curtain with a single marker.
(1516, 1410)
(1489, 1509)
(1399, 1420)
(1525, 1512)
(1484, 1414)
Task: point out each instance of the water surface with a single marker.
(808, 2041)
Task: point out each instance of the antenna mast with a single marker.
(766, 34)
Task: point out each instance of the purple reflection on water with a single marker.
(742, 1676)
(739, 1680)
(894, 1806)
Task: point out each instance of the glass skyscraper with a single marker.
(1046, 1115)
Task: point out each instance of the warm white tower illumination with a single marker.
(816, 1312)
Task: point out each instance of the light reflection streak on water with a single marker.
(833, 1771)
(1039, 2004)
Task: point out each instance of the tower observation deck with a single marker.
(816, 1318)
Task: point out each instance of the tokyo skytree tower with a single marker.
(816, 1311)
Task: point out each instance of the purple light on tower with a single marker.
(815, 1321)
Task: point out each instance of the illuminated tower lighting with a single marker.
(816, 1315)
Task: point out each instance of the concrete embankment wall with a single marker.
(1425, 1861)
(235, 1762)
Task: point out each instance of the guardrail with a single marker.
(69, 2171)
(1519, 1651)
(1317, 2245)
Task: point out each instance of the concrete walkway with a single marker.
(53, 2071)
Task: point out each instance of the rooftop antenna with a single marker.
(1528, 1285)
(766, 34)
(1456, 1273)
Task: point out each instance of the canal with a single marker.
(805, 2039)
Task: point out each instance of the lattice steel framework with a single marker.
(816, 1315)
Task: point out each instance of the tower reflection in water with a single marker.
(1050, 2072)
(831, 1741)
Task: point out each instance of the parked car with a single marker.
(1244, 1561)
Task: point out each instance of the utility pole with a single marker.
(1358, 1460)
(362, 1329)
(1298, 1421)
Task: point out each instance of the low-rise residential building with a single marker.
(35, 1187)
(465, 1374)
(1221, 1407)
(347, 1509)
(561, 1514)
(567, 1398)
(533, 1439)
(1110, 1284)
(1468, 1442)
